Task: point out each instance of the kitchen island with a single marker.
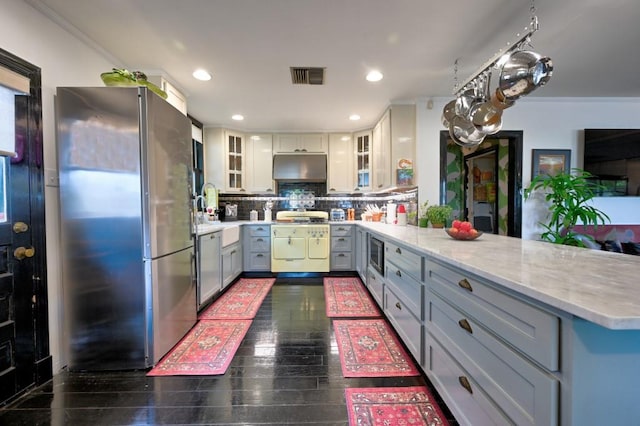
(519, 331)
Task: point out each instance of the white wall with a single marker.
(64, 61)
(547, 123)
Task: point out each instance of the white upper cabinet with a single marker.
(174, 96)
(362, 160)
(394, 148)
(306, 143)
(341, 174)
(381, 170)
(403, 145)
(259, 153)
(235, 162)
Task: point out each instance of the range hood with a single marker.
(300, 167)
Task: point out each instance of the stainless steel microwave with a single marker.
(376, 254)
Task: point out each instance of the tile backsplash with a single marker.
(246, 203)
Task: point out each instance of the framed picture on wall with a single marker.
(550, 162)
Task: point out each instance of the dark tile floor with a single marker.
(286, 371)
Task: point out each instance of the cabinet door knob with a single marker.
(465, 284)
(398, 305)
(463, 323)
(398, 250)
(464, 382)
(398, 273)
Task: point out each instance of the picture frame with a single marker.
(550, 162)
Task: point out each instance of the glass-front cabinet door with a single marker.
(235, 161)
(363, 161)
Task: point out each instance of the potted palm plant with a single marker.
(439, 215)
(568, 196)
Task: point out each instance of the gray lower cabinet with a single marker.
(489, 353)
(257, 247)
(375, 284)
(361, 254)
(403, 295)
(231, 263)
(342, 248)
(208, 269)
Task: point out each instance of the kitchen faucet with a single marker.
(203, 194)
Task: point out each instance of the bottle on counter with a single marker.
(391, 213)
(253, 215)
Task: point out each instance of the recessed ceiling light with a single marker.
(374, 75)
(201, 75)
(237, 117)
(345, 138)
(255, 138)
(354, 117)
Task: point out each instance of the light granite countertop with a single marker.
(598, 286)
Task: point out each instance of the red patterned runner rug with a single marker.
(393, 406)
(369, 348)
(347, 297)
(241, 301)
(206, 350)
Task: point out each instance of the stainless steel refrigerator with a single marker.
(125, 169)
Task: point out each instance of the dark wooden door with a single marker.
(24, 347)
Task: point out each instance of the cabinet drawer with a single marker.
(526, 394)
(341, 243)
(375, 283)
(260, 245)
(410, 261)
(406, 287)
(341, 231)
(406, 324)
(341, 262)
(259, 230)
(259, 262)
(469, 404)
(532, 330)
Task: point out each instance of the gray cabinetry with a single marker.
(375, 284)
(361, 253)
(257, 247)
(231, 263)
(403, 294)
(209, 278)
(504, 351)
(342, 248)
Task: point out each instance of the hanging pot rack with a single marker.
(493, 61)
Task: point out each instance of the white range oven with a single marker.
(300, 242)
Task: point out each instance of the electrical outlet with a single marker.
(51, 177)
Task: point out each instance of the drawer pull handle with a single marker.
(341, 255)
(398, 273)
(464, 382)
(398, 305)
(465, 284)
(259, 255)
(398, 250)
(340, 239)
(259, 240)
(260, 229)
(463, 323)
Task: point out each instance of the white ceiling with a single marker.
(249, 45)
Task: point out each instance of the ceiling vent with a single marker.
(307, 75)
